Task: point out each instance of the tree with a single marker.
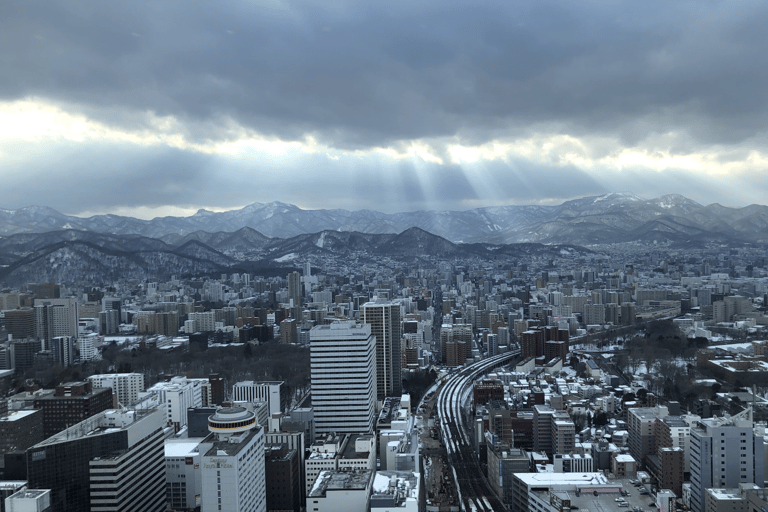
(601, 418)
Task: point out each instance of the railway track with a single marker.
(475, 493)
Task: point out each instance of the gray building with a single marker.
(725, 452)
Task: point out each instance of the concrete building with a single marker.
(176, 396)
(542, 428)
(343, 372)
(725, 452)
(55, 317)
(384, 319)
(272, 392)
(744, 498)
(524, 485)
(232, 462)
(125, 387)
(339, 453)
(29, 500)
(91, 466)
(71, 403)
(641, 423)
(18, 431)
(337, 491)
(183, 475)
(395, 491)
(283, 478)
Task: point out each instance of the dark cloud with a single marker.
(361, 75)
(106, 177)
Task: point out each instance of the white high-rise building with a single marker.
(125, 386)
(250, 391)
(177, 395)
(343, 370)
(725, 452)
(203, 322)
(232, 462)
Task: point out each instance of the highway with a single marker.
(473, 488)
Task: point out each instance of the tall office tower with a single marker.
(91, 466)
(232, 462)
(109, 321)
(283, 477)
(23, 353)
(20, 323)
(125, 386)
(55, 317)
(542, 428)
(384, 319)
(294, 292)
(343, 372)
(63, 350)
(725, 452)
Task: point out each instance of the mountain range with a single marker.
(602, 219)
(39, 244)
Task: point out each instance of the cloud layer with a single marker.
(391, 107)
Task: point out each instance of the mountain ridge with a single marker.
(582, 221)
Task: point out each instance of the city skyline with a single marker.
(161, 110)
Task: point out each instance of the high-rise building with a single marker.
(20, 323)
(542, 428)
(55, 317)
(175, 397)
(63, 350)
(22, 353)
(343, 372)
(91, 466)
(125, 386)
(272, 392)
(183, 476)
(232, 462)
(283, 478)
(109, 321)
(294, 294)
(725, 452)
(384, 319)
(641, 424)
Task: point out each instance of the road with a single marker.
(474, 491)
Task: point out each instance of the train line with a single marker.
(474, 491)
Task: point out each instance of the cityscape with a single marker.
(343, 370)
(434, 256)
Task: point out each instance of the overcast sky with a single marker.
(155, 108)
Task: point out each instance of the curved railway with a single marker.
(472, 486)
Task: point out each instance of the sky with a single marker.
(161, 108)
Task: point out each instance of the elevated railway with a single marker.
(474, 490)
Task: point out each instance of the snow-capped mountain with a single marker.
(589, 220)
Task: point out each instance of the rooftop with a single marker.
(340, 481)
(181, 448)
(231, 445)
(17, 415)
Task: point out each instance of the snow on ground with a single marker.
(287, 257)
